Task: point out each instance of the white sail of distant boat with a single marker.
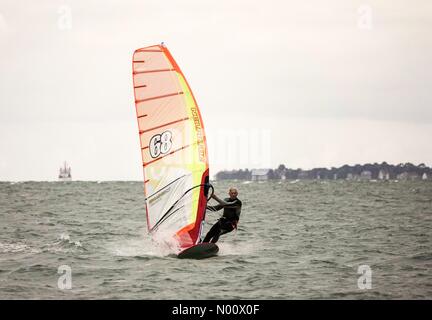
(65, 173)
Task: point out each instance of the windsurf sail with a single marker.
(173, 148)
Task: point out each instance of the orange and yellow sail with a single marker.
(173, 148)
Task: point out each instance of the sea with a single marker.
(296, 240)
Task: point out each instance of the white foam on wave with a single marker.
(141, 246)
(16, 247)
(138, 247)
(64, 239)
(13, 247)
(64, 236)
(23, 247)
(146, 246)
(238, 248)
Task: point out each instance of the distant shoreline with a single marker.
(375, 171)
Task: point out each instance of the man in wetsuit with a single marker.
(228, 221)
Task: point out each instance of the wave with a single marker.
(138, 247)
(14, 247)
(424, 256)
(64, 244)
(239, 248)
(145, 246)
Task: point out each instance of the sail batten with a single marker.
(158, 97)
(173, 148)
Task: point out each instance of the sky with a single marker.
(301, 83)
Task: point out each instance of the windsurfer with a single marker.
(229, 220)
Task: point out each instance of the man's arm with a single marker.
(224, 203)
(215, 208)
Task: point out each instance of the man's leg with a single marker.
(221, 232)
(214, 231)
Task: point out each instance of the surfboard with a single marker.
(199, 251)
(173, 149)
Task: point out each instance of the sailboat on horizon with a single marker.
(65, 173)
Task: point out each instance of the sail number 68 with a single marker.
(160, 144)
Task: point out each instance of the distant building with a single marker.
(383, 175)
(260, 174)
(424, 176)
(408, 176)
(413, 176)
(402, 176)
(366, 175)
(335, 176)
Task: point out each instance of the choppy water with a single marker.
(302, 240)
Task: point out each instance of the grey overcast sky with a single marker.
(303, 83)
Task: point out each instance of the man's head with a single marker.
(233, 193)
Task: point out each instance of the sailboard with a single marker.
(173, 149)
(199, 251)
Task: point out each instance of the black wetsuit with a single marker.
(228, 221)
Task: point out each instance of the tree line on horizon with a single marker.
(372, 171)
